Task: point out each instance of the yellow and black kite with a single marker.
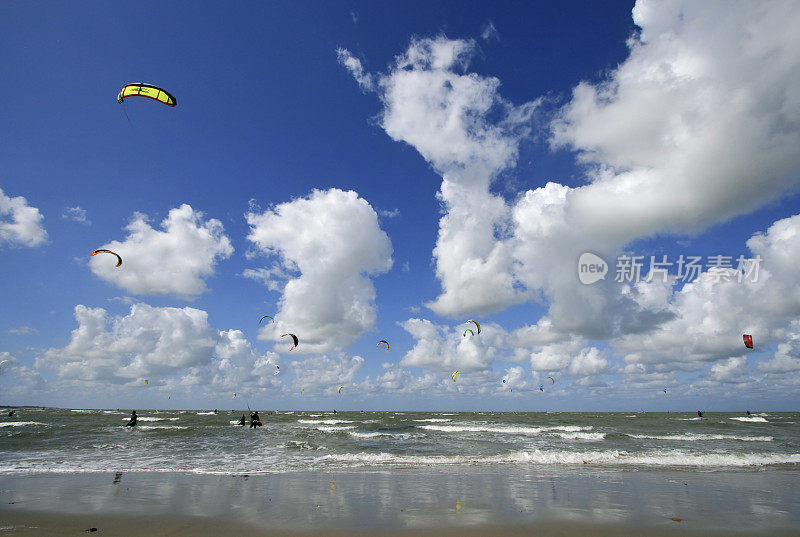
(147, 90)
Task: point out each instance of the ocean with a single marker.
(38, 440)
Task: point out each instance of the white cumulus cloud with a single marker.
(171, 347)
(20, 224)
(172, 261)
(325, 248)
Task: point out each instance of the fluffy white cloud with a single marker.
(20, 224)
(399, 380)
(174, 261)
(787, 357)
(325, 374)
(710, 314)
(325, 246)
(444, 113)
(443, 349)
(700, 123)
(172, 347)
(513, 379)
(75, 214)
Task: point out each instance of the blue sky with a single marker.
(368, 171)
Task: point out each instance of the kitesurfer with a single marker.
(255, 421)
(748, 412)
(700, 414)
(243, 420)
(11, 413)
(134, 419)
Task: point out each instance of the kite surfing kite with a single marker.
(468, 330)
(103, 251)
(383, 341)
(141, 89)
(551, 378)
(234, 395)
(541, 387)
(476, 324)
(665, 390)
(294, 338)
(146, 382)
(340, 389)
(453, 376)
(266, 317)
(748, 340)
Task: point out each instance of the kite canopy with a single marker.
(476, 324)
(454, 375)
(147, 90)
(294, 338)
(340, 389)
(146, 382)
(748, 340)
(383, 341)
(468, 330)
(551, 378)
(266, 317)
(102, 251)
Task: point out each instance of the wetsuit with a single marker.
(255, 421)
(133, 421)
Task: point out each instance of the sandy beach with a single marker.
(402, 502)
(24, 523)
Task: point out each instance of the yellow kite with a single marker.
(146, 90)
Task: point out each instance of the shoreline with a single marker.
(405, 502)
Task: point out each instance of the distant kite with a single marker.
(383, 341)
(266, 317)
(294, 338)
(476, 324)
(340, 389)
(141, 89)
(103, 251)
(146, 382)
(748, 340)
(468, 330)
(454, 375)
(551, 378)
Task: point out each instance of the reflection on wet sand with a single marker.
(403, 499)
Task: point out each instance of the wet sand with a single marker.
(404, 502)
(29, 524)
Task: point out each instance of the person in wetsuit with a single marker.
(134, 419)
(255, 421)
(243, 420)
(699, 413)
